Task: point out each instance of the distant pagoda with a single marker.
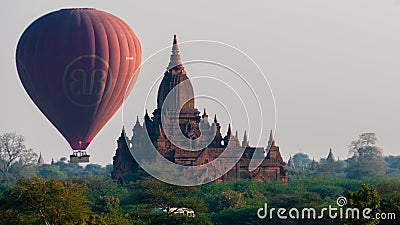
(331, 158)
(40, 160)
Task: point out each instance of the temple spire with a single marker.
(314, 164)
(160, 130)
(175, 59)
(137, 121)
(123, 133)
(271, 141)
(137, 125)
(40, 159)
(245, 142)
(331, 157)
(271, 136)
(215, 119)
(204, 113)
(122, 140)
(147, 120)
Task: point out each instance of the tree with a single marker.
(69, 169)
(94, 169)
(13, 152)
(365, 139)
(51, 201)
(389, 192)
(50, 171)
(104, 194)
(331, 169)
(366, 197)
(304, 167)
(301, 160)
(166, 196)
(367, 157)
(393, 166)
(230, 199)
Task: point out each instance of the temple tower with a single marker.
(331, 157)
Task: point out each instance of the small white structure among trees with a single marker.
(181, 211)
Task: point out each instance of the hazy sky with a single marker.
(333, 66)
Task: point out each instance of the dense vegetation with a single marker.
(98, 200)
(67, 193)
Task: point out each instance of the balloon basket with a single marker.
(79, 157)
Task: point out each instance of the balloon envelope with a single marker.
(77, 65)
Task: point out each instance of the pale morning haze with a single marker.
(333, 66)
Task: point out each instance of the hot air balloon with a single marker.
(77, 65)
